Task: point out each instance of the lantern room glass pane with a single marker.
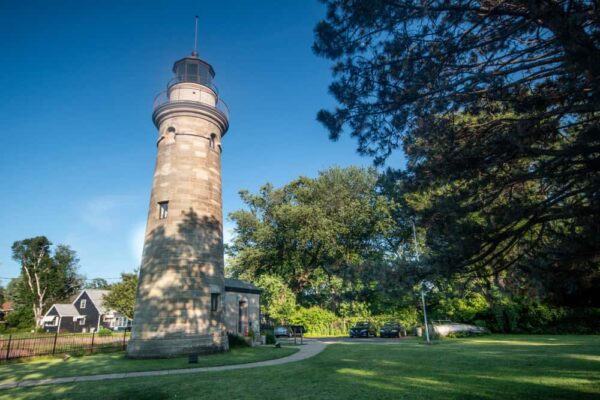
(192, 72)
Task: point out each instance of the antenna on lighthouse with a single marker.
(195, 51)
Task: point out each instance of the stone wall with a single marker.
(232, 306)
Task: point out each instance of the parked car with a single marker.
(280, 331)
(390, 330)
(363, 329)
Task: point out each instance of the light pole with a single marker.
(422, 284)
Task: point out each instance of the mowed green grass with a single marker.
(490, 367)
(109, 363)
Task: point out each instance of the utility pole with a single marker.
(422, 284)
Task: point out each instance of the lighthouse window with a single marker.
(211, 143)
(163, 209)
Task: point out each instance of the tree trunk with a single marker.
(37, 316)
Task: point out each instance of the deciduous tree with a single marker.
(324, 237)
(45, 277)
(97, 283)
(122, 295)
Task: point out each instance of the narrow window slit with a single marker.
(163, 209)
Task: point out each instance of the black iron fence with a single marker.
(18, 346)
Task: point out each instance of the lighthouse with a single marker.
(180, 295)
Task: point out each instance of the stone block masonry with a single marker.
(182, 270)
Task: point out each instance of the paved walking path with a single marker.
(310, 349)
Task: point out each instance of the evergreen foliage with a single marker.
(496, 106)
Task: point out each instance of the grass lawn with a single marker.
(490, 367)
(108, 363)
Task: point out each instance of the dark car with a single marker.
(363, 329)
(282, 331)
(390, 330)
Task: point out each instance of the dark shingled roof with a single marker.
(235, 285)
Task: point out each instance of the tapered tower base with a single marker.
(173, 347)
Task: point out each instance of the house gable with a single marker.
(87, 308)
(52, 312)
(89, 302)
(54, 315)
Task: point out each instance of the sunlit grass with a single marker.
(109, 363)
(493, 367)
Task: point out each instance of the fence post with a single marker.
(54, 344)
(93, 336)
(8, 347)
(124, 339)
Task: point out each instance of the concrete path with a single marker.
(309, 349)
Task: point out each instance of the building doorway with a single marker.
(243, 317)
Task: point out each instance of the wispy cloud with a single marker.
(103, 213)
(136, 242)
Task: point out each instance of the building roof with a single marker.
(236, 285)
(96, 296)
(66, 310)
(70, 310)
(6, 306)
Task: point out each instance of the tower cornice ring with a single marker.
(191, 108)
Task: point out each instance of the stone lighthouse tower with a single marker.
(179, 308)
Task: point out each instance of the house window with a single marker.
(82, 321)
(163, 209)
(82, 303)
(214, 301)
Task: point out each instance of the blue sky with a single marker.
(78, 145)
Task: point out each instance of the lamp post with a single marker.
(423, 284)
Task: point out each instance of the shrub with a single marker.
(20, 319)
(321, 322)
(277, 300)
(407, 317)
(522, 315)
(315, 320)
(105, 332)
(460, 309)
(270, 338)
(465, 334)
(236, 341)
